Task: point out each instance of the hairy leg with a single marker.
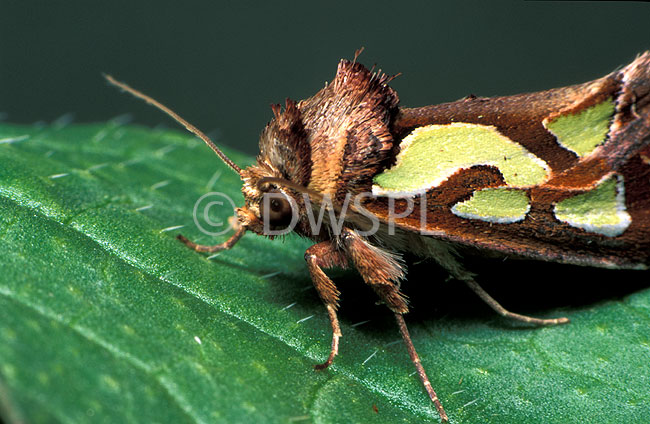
(217, 247)
(319, 256)
(382, 271)
(415, 358)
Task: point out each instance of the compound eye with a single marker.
(276, 209)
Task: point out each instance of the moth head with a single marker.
(274, 186)
(271, 208)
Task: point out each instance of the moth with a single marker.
(561, 175)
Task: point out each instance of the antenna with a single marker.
(178, 119)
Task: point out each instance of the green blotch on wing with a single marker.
(583, 132)
(431, 154)
(601, 210)
(500, 205)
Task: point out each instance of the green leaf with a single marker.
(105, 317)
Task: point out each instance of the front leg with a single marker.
(319, 256)
(239, 232)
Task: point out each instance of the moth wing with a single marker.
(592, 138)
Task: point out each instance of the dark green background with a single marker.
(221, 65)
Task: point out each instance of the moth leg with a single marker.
(418, 366)
(382, 271)
(319, 256)
(446, 258)
(239, 232)
(496, 306)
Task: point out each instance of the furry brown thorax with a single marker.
(332, 144)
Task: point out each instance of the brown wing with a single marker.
(521, 118)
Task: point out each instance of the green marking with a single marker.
(431, 154)
(601, 210)
(584, 131)
(500, 205)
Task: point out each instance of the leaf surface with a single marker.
(105, 317)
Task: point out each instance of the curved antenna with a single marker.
(178, 119)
